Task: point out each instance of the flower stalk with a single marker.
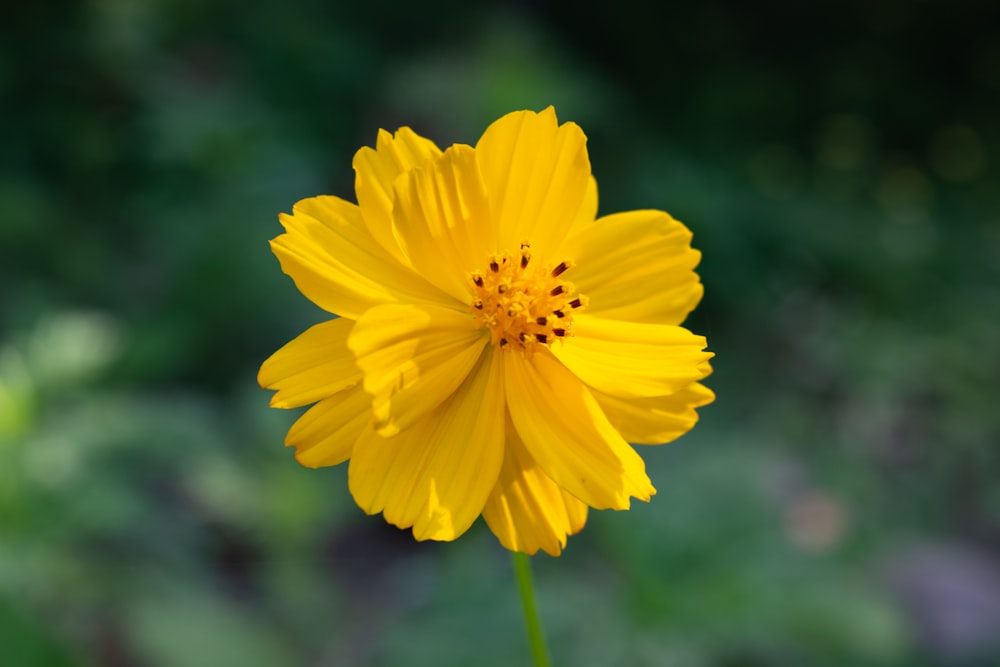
(536, 639)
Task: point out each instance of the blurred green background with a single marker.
(838, 163)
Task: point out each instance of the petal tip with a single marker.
(301, 460)
(387, 428)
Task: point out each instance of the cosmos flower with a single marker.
(497, 345)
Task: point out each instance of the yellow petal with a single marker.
(326, 433)
(413, 358)
(636, 266)
(656, 419)
(565, 431)
(527, 511)
(442, 221)
(537, 174)
(437, 474)
(315, 365)
(629, 359)
(337, 264)
(375, 172)
(588, 210)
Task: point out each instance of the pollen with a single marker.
(524, 303)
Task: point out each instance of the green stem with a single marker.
(522, 570)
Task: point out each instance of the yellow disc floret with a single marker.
(524, 304)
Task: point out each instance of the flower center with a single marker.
(524, 304)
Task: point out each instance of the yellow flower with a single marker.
(497, 347)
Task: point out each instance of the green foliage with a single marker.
(839, 179)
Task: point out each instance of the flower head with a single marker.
(498, 346)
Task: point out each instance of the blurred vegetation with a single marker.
(838, 165)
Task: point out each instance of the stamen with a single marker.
(522, 302)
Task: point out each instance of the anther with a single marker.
(523, 304)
